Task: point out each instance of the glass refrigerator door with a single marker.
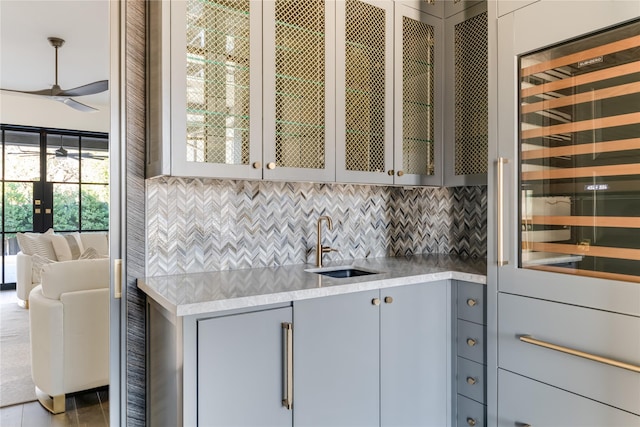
(579, 142)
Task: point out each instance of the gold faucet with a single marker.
(319, 248)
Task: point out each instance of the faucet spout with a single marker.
(319, 248)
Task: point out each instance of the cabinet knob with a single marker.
(388, 300)
(471, 380)
(257, 165)
(471, 342)
(375, 301)
(471, 302)
(400, 173)
(471, 421)
(391, 172)
(271, 165)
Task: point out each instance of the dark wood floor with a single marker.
(87, 409)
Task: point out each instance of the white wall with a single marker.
(17, 109)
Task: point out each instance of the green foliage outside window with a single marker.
(17, 208)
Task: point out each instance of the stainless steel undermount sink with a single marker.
(342, 272)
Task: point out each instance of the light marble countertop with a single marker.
(199, 293)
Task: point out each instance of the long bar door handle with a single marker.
(500, 208)
(607, 361)
(287, 400)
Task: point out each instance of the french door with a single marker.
(51, 178)
(569, 154)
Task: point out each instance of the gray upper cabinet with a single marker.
(205, 93)
(327, 91)
(452, 7)
(372, 358)
(364, 92)
(299, 90)
(467, 97)
(418, 70)
(373, 145)
(432, 7)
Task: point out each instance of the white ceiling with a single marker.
(27, 59)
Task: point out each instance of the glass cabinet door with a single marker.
(418, 64)
(299, 79)
(364, 92)
(579, 142)
(216, 88)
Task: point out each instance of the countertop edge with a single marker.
(302, 294)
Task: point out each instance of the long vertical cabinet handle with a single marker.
(501, 259)
(287, 400)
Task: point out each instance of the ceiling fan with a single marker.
(64, 95)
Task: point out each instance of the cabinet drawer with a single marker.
(596, 332)
(470, 413)
(471, 304)
(527, 402)
(471, 379)
(470, 339)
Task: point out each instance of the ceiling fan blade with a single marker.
(78, 105)
(90, 89)
(45, 92)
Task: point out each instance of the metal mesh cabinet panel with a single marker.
(300, 84)
(217, 81)
(471, 96)
(418, 56)
(365, 45)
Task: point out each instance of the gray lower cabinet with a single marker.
(219, 369)
(241, 369)
(524, 401)
(372, 358)
(469, 382)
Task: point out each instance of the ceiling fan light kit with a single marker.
(61, 95)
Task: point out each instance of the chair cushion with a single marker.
(98, 240)
(71, 276)
(67, 246)
(37, 243)
(37, 262)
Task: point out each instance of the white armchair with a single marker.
(69, 328)
(25, 279)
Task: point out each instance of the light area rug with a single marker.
(16, 385)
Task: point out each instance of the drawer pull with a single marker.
(471, 421)
(471, 342)
(388, 300)
(375, 301)
(529, 340)
(471, 302)
(471, 380)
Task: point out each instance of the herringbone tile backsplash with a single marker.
(197, 225)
